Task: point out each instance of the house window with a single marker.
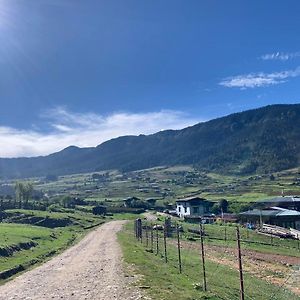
(179, 208)
(185, 209)
(196, 210)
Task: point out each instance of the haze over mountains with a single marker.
(262, 140)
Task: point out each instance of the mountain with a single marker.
(261, 140)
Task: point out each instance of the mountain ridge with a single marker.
(261, 140)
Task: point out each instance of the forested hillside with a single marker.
(261, 140)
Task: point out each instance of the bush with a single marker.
(99, 210)
(122, 209)
(58, 208)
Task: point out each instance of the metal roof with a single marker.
(192, 199)
(273, 211)
(282, 199)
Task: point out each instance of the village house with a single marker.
(274, 216)
(288, 202)
(193, 207)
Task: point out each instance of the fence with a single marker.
(176, 245)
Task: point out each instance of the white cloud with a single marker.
(280, 56)
(259, 79)
(85, 130)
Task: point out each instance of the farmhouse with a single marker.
(193, 207)
(274, 216)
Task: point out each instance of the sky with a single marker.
(79, 72)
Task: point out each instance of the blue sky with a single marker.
(83, 71)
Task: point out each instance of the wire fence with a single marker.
(217, 267)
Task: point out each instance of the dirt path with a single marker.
(92, 269)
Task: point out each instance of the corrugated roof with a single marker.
(274, 211)
(282, 199)
(259, 212)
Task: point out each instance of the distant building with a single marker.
(288, 202)
(129, 202)
(227, 217)
(274, 216)
(193, 207)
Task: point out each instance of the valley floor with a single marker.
(92, 269)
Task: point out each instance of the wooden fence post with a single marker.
(165, 242)
(242, 292)
(203, 258)
(147, 237)
(157, 245)
(151, 235)
(178, 246)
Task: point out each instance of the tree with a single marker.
(99, 210)
(223, 204)
(27, 192)
(68, 202)
(272, 177)
(19, 190)
(151, 202)
(220, 207)
(23, 191)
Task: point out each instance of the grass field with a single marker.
(25, 244)
(251, 240)
(48, 242)
(165, 184)
(168, 183)
(163, 280)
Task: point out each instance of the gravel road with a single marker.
(92, 269)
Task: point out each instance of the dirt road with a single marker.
(92, 269)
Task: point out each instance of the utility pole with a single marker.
(242, 293)
(203, 257)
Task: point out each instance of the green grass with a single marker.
(49, 242)
(78, 218)
(215, 235)
(165, 282)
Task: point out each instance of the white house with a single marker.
(193, 207)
